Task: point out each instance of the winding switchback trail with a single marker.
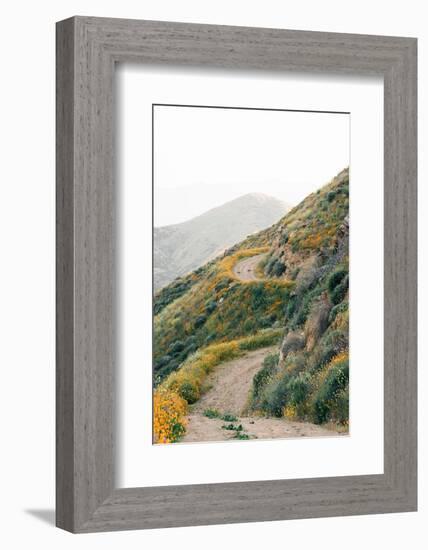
(245, 269)
(230, 384)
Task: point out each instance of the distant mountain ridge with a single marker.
(183, 247)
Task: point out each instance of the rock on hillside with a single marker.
(181, 248)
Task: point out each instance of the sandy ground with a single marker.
(201, 428)
(246, 269)
(230, 385)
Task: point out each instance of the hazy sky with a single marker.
(205, 157)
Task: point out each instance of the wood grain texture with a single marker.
(87, 50)
(64, 277)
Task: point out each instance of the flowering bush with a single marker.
(330, 400)
(169, 411)
(290, 411)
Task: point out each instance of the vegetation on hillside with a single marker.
(301, 302)
(169, 411)
(309, 378)
(217, 307)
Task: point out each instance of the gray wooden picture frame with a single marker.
(87, 51)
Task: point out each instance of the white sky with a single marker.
(204, 157)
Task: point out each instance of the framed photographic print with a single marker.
(228, 279)
(236, 274)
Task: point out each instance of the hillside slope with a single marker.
(298, 298)
(181, 248)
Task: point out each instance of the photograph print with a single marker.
(250, 274)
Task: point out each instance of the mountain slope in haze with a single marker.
(300, 297)
(183, 247)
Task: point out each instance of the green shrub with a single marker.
(212, 413)
(261, 340)
(295, 363)
(262, 377)
(320, 410)
(165, 371)
(324, 355)
(221, 285)
(210, 306)
(242, 436)
(210, 338)
(275, 396)
(227, 417)
(176, 347)
(258, 296)
(324, 400)
(337, 285)
(340, 406)
(291, 306)
(298, 389)
(162, 361)
(267, 321)
(271, 360)
(283, 239)
(336, 277)
(263, 262)
(171, 293)
(339, 308)
(304, 304)
(189, 349)
(278, 269)
(275, 267)
(189, 392)
(339, 292)
(337, 339)
(249, 326)
(200, 320)
(232, 427)
(331, 344)
(301, 314)
(269, 265)
(285, 390)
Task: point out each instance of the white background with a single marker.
(27, 272)
(205, 157)
(362, 451)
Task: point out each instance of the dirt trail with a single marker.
(246, 269)
(230, 385)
